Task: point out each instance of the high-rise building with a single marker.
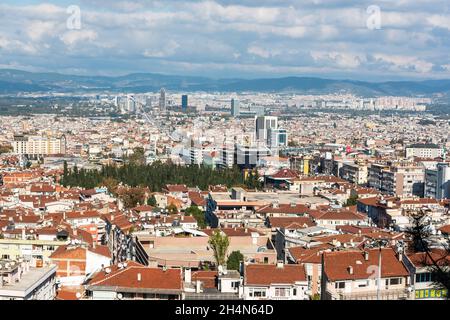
(277, 138)
(162, 99)
(131, 104)
(263, 125)
(235, 108)
(184, 102)
(437, 182)
(36, 146)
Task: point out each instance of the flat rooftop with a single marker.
(29, 280)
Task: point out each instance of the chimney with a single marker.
(400, 256)
(198, 286)
(366, 255)
(350, 269)
(182, 218)
(75, 232)
(112, 218)
(187, 275)
(23, 234)
(139, 277)
(280, 264)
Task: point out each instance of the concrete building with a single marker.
(425, 150)
(275, 282)
(437, 182)
(235, 112)
(263, 125)
(38, 146)
(19, 281)
(353, 275)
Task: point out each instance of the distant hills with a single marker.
(15, 81)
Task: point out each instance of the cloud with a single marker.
(401, 62)
(224, 38)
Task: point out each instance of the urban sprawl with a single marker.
(197, 196)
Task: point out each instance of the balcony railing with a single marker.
(397, 294)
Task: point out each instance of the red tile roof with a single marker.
(291, 222)
(267, 274)
(151, 278)
(336, 264)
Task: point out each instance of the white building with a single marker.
(275, 282)
(39, 145)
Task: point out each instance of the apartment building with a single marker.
(353, 275)
(437, 181)
(424, 150)
(275, 282)
(39, 145)
(354, 172)
(422, 277)
(132, 281)
(20, 281)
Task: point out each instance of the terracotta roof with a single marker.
(143, 208)
(285, 174)
(208, 278)
(284, 208)
(176, 188)
(150, 278)
(445, 229)
(422, 259)
(309, 255)
(291, 222)
(267, 274)
(337, 264)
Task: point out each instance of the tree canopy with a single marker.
(219, 242)
(234, 260)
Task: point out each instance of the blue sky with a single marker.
(228, 38)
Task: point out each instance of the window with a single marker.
(282, 292)
(394, 281)
(424, 277)
(294, 292)
(339, 285)
(257, 293)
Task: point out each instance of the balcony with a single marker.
(394, 294)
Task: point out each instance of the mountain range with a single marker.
(16, 81)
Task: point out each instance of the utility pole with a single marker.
(379, 274)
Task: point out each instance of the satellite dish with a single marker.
(119, 296)
(78, 295)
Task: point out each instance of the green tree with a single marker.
(172, 209)
(437, 261)
(219, 242)
(138, 156)
(234, 260)
(352, 201)
(131, 196)
(152, 201)
(111, 184)
(198, 215)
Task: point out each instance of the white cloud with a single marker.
(71, 38)
(399, 62)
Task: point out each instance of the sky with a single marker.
(351, 39)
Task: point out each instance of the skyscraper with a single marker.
(184, 102)
(263, 125)
(162, 99)
(131, 105)
(235, 108)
